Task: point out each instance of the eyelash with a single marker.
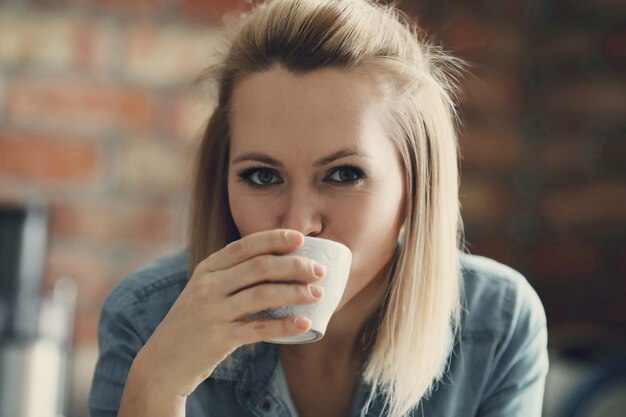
(245, 175)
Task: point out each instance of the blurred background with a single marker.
(99, 122)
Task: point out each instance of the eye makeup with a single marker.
(253, 175)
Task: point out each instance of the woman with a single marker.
(334, 119)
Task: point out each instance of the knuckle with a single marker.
(238, 248)
(301, 264)
(260, 327)
(259, 265)
(303, 292)
(210, 286)
(206, 265)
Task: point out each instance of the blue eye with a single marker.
(353, 175)
(262, 177)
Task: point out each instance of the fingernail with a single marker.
(302, 323)
(316, 291)
(320, 270)
(294, 238)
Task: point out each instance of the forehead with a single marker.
(324, 109)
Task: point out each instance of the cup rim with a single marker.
(322, 240)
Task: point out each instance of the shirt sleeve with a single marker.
(519, 371)
(119, 341)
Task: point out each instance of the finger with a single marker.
(259, 298)
(266, 268)
(264, 329)
(277, 241)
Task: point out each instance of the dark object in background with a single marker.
(602, 393)
(587, 375)
(23, 243)
(35, 330)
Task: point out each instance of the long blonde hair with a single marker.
(421, 309)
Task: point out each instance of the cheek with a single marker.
(246, 212)
(376, 216)
(373, 250)
(373, 232)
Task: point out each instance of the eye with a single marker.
(262, 177)
(348, 174)
(258, 177)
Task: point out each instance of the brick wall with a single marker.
(97, 115)
(544, 115)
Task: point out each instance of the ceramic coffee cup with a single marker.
(337, 259)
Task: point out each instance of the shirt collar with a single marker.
(252, 368)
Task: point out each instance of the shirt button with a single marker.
(266, 405)
(247, 394)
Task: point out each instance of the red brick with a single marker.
(113, 221)
(602, 98)
(117, 6)
(3, 89)
(465, 33)
(153, 168)
(88, 269)
(566, 44)
(67, 105)
(125, 5)
(55, 41)
(605, 7)
(96, 268)
(566, 260)
(498, 249)
(615, 47)
(591, 204)
(616, 311)
(483, 42)
(94, 46)
(495, 94)
(484, 203)
(167, 54)
(86, 327)
(187, 115)
(45, 159)
(621, 260)
(491, 148)
(36, 39)
(561, 154)
(215, 9)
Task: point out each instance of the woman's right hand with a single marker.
(208, 320)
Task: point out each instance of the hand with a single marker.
(208, 320)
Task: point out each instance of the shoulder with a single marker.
(497, 299)
(146, 295)
(500, 357)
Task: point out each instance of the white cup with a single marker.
(337, 259)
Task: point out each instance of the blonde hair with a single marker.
(421, 308)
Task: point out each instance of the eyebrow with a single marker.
(261, 157)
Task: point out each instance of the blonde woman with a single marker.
(334, 119)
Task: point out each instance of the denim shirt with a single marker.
(497, 367)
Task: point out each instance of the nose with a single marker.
(302, 211)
